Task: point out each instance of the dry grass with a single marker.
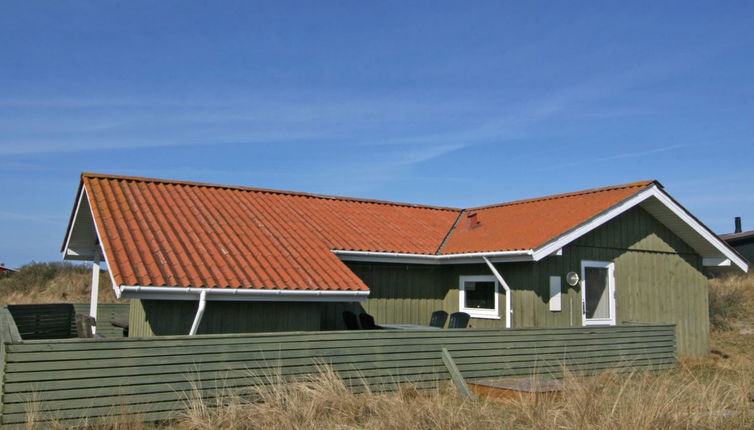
(53, 283)
(677, 399)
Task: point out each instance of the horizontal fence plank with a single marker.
(222, 370)
(69, 381)
(130, 343)
(73, 360)
(254, 358)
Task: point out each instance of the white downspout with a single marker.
(199, 312)
(507, 289)
(95, 288)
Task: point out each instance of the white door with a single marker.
(598, 293)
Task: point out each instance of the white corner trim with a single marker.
(240, 294)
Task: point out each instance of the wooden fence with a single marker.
(57, 320)
(81, 381)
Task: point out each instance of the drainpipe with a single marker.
(95, 288)
(500, 279)
(199, 313)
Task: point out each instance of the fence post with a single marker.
(8, 334)
(455, 374)
(8, 329)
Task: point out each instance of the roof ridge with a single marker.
(266, 190)
(570, 194)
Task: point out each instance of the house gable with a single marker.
(635, 230)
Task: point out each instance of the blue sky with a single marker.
(448, 103)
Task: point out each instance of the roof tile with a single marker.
(172, 233)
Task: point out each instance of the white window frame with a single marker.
(476, 312)
(610, 266)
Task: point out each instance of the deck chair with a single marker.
(438, 319)
(459, 320)
(367, 322)
(349, 318)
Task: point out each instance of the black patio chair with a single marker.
(367, 322)
(438, 319)
(349, 318)
(459, 320)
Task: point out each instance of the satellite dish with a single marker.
(572, 278)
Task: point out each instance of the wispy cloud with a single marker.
(32, 218)
(70, 125)
(620, 156)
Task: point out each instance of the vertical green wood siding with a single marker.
(659, 279)
(166, 317)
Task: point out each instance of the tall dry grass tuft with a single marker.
(729, 300)
(324, 401)
(640, 400)
(674, 399)
(52, 282)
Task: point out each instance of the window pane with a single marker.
(597, 300)
(480, 295)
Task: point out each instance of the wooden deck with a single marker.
(507, 389)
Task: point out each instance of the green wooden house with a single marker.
(205, 258)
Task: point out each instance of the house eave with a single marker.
(715, 250)
(239, 294)
(406, 258)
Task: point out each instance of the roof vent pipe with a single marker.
(738, 225)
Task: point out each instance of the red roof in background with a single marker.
(529, 224)
(172, 233)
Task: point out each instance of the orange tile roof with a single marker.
(186, 234)
(169, 233)
(529, 224)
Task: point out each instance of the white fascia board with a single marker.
(103, 251)
(703, 231)
(662, 197)
(73, 256)
(405, 258)
(560, 242)
(240, 294)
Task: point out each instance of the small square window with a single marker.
(479, 296)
